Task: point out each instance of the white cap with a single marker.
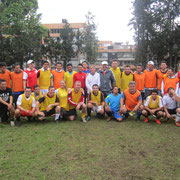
(104, 62)
(151, 62)
(30, 61)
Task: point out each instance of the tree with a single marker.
(20, 31)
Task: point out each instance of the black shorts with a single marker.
(154, 113)
(49, 113)
(172, 111)
(72, 112)
(4, 114)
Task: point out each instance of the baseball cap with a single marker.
(30, 61)
(151, 62)
(104, 62)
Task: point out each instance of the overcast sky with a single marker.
(111, 16)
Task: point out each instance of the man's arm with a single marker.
(113, 80)
(70, 98)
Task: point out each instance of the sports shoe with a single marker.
(12, 123)
(84, 119)
(88, 118)
(18, 123)
(57, 121)
(177, 123)
(146, 120)
(158, 121)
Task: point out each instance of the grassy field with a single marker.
(94, 150)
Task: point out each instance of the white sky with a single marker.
(111, 16)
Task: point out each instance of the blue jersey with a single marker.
(86, 71)
(113, 101)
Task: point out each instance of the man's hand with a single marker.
(123, 109)
(135, 109)
(168, 115)
(152, 111)
(10, 107)
(48, 108)
(78, 106)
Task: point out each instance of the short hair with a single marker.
(69, 64)
(170, 89)
(164, 62)
(154, 91)
(3, 64)
(127, 66)
(58, 63)
(35, 86)
(170, 68)
(115, 87)
(45, 61)
(16, 64)
(139, 65)
(92, 66)
(114, 60)
(50, 87)
(132, 83)
(28, 88)
(95, 85)
(85, 62)
(2, 80)
(80, 64)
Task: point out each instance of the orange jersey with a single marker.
(17, 81)
(139, 79)
(131, 100)
(170, 82)
(160, 76)
(57, 76)
(150, 78)
(7, 77)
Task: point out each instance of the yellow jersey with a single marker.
(125, 79)
(117, 74)
(63, 98)
(69, 79)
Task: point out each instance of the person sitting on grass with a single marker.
(95, 102)
(76, 101)
(131, 101)
(49, 105)
(25, 106)
(153, 106)
(62, 94)
(6, 100)
(37, 94)
(112, 105)
(170, 105)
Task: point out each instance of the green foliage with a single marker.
(21, 32)
(156, 26)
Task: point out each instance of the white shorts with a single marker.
(97, 108)
(44, 91)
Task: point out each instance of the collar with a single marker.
(44, 69)
(59, 71)
(30, 69)
(139, 73)
(150, 70)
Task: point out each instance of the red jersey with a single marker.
(179, 77)
(80, 77)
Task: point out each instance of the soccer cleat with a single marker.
(84, 119)
(88, 118)
(12, 123)
(177, 123)
(158, 121)
(146, 120)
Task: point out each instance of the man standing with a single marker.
(117, 73)
(85, 67)
(25, 106)
(112, 103)
(107, 79)
(126, 77)
(92, 78)
(45, 77)
(17, 82)
(153, 106)
(68, 76)
(76, 101)
(58, 75)
(150, 78)
(131, 101)
(6, 101)
(5, 74)
(95, 102)
(30, 75)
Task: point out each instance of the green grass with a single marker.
(95, 150)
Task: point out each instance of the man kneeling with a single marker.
(153, 106)
(25, 106)
(95, 102)
(49, 105)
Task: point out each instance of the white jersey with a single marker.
(169, 102)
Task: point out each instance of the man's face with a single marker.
(3, 69)
(31, 66)
(104, 67)
(69, 68)
(132, 88)
(115, 90)
(163, 66)
(58, 67)
(169, 72)
(27, 92)
(139, 69)
(154, 95)
(95, 89)
(114, 64)
(3, 85)
(80, 69)
(85, 65)
(51, 92)
(150, 66)
(77, 86)
(127, 70)
(46, 66)
(62, 84)
(170, 93)
(37, 90)
(92, 70)
(17, 69)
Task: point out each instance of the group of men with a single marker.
(42, 93)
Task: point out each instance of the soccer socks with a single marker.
(139, 114)
(57, 117)
(83, 115)
(89, 111)
(177, 117)
(109, 113)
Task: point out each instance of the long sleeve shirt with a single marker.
(91, 80)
